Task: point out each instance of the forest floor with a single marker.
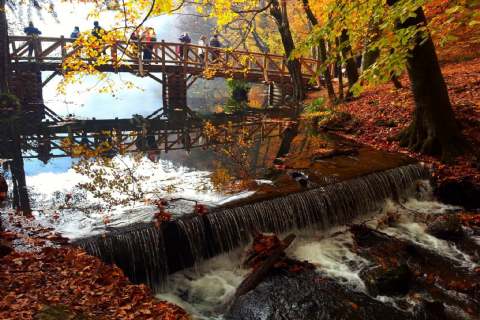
(66, 283)
(380, 113)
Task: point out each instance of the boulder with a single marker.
(391, 282)
(459, 193)
(448, 228)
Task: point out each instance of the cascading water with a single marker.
(139, 253)
(148, 254)
(339, 278)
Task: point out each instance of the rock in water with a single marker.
(448, 228)
(391, 282)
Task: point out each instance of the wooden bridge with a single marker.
(50, 53)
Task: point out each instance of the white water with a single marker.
(203, 293)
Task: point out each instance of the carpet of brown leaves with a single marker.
(384, 103)
(70, 277)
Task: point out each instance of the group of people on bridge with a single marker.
(214, 43)
(147, 36)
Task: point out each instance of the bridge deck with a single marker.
(50, 53)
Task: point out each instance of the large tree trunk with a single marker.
(279, 13)
(351, 67)
(323, 51)
(6, 87)
(17, 167)
(10, 129)
(434, 129)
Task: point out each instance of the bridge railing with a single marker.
(252, 65)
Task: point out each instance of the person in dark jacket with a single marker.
(214, 42)
(98, 32)
(32, 31)
(184, 38)
(75, 33)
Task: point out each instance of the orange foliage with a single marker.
(70, 277)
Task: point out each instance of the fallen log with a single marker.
(254, 279)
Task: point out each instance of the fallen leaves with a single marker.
(384, 104)
(354, 305)
(70, 277)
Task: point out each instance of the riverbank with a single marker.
(380, 113)
(66, 283)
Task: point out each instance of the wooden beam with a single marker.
(44, 83)
(155, 78)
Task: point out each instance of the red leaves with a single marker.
(3, 189)
(282, 167)
(200, 209)
(162, 217)
(264, 246)
(71, 277)
(378, 110)
(354, 305)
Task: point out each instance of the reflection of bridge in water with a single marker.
(43, 140)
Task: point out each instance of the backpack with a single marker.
(214, 42)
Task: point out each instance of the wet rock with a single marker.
(448, 228)
(5, 248)
(459, 193)
(392, 282)
(301, 298)
(60, 312)
(434, 310)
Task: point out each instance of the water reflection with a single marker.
(178, 151)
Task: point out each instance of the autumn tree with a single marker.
(404, 41)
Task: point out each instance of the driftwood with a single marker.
(254, 279)
(328, 153)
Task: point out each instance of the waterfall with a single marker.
(140, 253)
(316, 209)
(148, 254)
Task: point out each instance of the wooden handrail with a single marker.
(229, 62)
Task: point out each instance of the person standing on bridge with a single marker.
(75, 33)
(184, 38)
(32, 31)
(98, 33)
(201, 51)
(214, 42)
(149, 36)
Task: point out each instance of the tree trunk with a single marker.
(17, 166)
(370, 56)
(434, 129)
(323, 51)
(351, 67)
(6, 86)
(340, 75)
(279, 13)
(395, 81)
